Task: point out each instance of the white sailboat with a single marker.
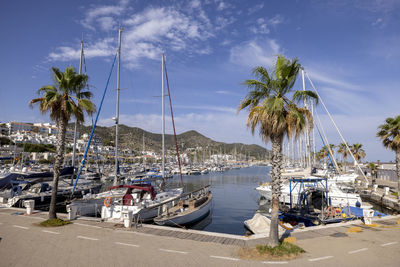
(112, 210)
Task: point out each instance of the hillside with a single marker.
(132, 137)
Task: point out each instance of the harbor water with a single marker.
(234, 196)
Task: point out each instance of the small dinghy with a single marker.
(261, 224)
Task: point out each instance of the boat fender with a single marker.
(107, 201)
(15, 191)
(358, 204)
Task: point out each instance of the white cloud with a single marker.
(331, 80)
(97, 14)
(194, 4)
(147, 33)
(262, 26)
(107, 23)
(377, 22)
(222, 22)
(254, 53)
(221, 5)
(224, 92)
(255, 8)
(103, 48)
(208, 108)
(278, 19)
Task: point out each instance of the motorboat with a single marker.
(339, 197)
(140, 199)
(39, 191)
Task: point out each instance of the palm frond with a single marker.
(299, 96)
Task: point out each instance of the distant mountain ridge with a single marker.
(132, 137)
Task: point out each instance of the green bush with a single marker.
(54, 223)
(28, 147)
(283, 249)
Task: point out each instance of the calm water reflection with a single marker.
(234, 196)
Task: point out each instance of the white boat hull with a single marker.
(186, 219)
(338, 198)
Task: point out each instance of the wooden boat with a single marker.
(189, 210)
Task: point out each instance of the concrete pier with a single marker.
(95, 243)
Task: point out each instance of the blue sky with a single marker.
(350, 49)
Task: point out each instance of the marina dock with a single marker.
(94, 243)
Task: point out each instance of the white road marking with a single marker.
(126, 244)
(224, 258)
(275, 262)
(321, 258)
(173, 251)
(88, 225)
(388, 244)
(358, 250)
(88, 238)
(22, 227)
(50, 232)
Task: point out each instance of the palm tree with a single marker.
(277, 116)
(63, 100)
(374, 171)
(342, 149)
(389, 133)
(322, 154)
(357, 151)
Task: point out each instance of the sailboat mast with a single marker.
(144, 158)
(307, 131)
(76, 122)
(117, 112)
(163, 116)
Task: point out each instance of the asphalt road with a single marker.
(22, 243)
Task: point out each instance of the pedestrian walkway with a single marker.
(93, 243)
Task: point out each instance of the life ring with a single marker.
(330, 211)
(107, 201)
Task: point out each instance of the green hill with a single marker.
(132, 137)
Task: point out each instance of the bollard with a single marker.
(30, 205)
(386, 191)
(374, 187)
(127, 217)
(72, 212)
(368, 214)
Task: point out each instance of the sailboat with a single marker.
(123, 197)
(340, 195)
(189, 208)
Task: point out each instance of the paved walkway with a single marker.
(92, 243)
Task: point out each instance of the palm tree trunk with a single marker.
(275, 188)
(61, 127)
(398, 171)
